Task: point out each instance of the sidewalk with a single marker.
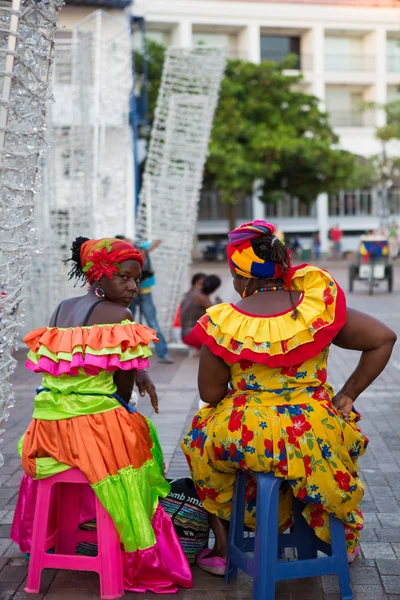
(376, 576)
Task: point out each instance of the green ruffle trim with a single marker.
(131, 499)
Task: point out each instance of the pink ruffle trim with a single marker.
(91, 364)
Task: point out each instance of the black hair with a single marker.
(210, 284)
(76, 271)
(268, 247)
(119, 237)
(196, 277)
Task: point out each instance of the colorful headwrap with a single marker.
(103, 257)
(241, 256)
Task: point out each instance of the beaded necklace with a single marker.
(270, 288)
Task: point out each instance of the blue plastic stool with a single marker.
(265, 568)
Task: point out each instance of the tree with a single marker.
(266, 128)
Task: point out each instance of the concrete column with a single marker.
(249, 41)
(323, 222)
(318, 58)
(380, 86)
(182, 34)
(257, 205)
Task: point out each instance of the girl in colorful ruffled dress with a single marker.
(263, 373)
(90, 357)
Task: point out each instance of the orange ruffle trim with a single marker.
(85, 443)
(126, 335)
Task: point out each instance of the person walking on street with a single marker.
(145, 303)
(336, 237)
(317, 245)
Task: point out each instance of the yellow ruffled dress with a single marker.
(278, 415)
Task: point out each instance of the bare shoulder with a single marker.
(109, 312)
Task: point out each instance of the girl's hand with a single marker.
(343, 404)
(145, 384)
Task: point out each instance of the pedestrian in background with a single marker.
(317, 245)
(144, 301)
(336, 237)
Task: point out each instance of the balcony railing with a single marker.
(301, 62)
(351, 203)
(346, 118)
(349, 62)
(393, 63)
(290, 207)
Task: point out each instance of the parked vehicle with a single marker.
(373, 264)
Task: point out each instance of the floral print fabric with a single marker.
(281, 420)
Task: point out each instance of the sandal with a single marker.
(215, 565)
(351, 556)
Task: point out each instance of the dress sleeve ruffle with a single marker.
(279, 340)
(57, 351)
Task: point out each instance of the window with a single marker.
(393, 55)
(345, 108)
(347, 54)
(277, 47)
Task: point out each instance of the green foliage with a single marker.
(266, 128)
(364, 173)
(155, 62)
(391, 130)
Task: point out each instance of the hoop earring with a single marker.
(99, 292)
(244, 294)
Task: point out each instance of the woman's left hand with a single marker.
(343, 404)
(145, 384)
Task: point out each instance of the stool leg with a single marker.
(39, 536)
(304, 535)
(111, 574)
(236, 526)
(339, 551)
(266, 543)
(67, 518)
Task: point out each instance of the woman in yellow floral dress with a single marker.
(263, 374)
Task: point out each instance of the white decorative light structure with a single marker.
(174, 168)
(27, 29)
(88, 181)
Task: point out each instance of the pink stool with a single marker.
(108, 562)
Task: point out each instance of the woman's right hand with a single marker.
(343, 404)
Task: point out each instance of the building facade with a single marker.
(348, 52)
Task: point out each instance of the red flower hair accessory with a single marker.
(104, 257)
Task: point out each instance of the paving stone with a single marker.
(379, 492)
(4, 545)
(388, 567)
(387, 534)
(10, 574)
(377, 550)
(389, 519)
(6, 591)
(369, 592)
(388, 505)
(391, 584)
(365, 575)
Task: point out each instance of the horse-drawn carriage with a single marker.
(373, 265)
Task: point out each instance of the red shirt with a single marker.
(336, 235)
